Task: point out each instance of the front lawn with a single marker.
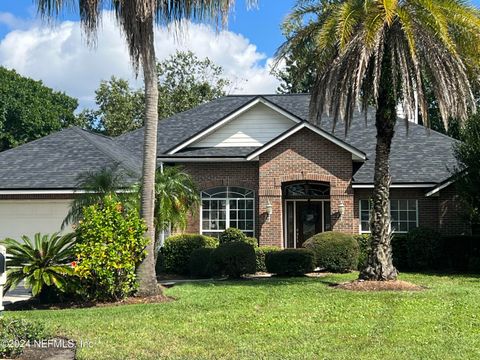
(290, 318)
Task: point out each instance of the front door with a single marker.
(304, 219)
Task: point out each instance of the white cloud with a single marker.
(60, 57)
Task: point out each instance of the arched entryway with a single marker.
(306, 211)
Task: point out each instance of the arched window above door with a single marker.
(306, 190)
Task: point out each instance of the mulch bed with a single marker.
(34, 304)
(394, 285)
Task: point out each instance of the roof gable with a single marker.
(228, 130)
(253, 127)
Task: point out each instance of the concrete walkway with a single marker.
(18, 294)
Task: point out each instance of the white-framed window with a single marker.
(225, 207)
(403, 213)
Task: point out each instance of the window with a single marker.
(307, 190)
(403, 213)
(225, 207)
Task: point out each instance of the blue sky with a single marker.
(261, 25)
(60, 57)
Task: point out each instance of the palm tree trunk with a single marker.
(379, 264)
(146, 271)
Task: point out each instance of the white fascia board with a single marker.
(202, 160)
(49, 192)
(229, 118)
(439, 187)
(40, 192)
(356, 154)
(395, 186)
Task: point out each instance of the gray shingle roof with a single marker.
(56, 161)
(212, 152)
(419, 156)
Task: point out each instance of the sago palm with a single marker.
(137, 19)
(43, 262)
(383, 53)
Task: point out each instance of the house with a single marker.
(260, 166)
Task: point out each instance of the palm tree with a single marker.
(137, 19)
(95, 185)
(383, 53)
(176, 196)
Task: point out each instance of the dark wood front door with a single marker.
(309, 220)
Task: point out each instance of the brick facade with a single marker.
(307, 156)
(303, 156)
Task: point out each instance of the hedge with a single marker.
(234, 259)
(260, 253)
(201, 263)
(174, 256)
(334, 251)
(291, 262)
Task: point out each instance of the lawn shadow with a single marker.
(273, 281)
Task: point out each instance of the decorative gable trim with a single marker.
(230, 117)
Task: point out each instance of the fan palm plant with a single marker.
(383, 53)
(95, 185)
(44, 262)
(137, 19)
(176, 196)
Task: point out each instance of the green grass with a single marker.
(284, 319)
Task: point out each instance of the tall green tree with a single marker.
(184, 82)
(382, 53)
(29, 110)
(137, 19)
(296, 66)
(467, 171)
(120, 108)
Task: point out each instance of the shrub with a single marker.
(363, 241)
(252, 241)
(334, 251)
(260, 253)
(399, 250)
(16, 333)
(424, 249)
(462, 253)
(201, 263)
(290, 262)
(234, 259)
(232, 235)
(48, 255)
(111, 244)
(177, 249)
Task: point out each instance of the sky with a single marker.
(59, 56)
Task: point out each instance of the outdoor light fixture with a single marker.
(269, 209)
(341, 208)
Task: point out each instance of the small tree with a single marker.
(111, 243)
(467, 171)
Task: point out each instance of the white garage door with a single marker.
(27, 217)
